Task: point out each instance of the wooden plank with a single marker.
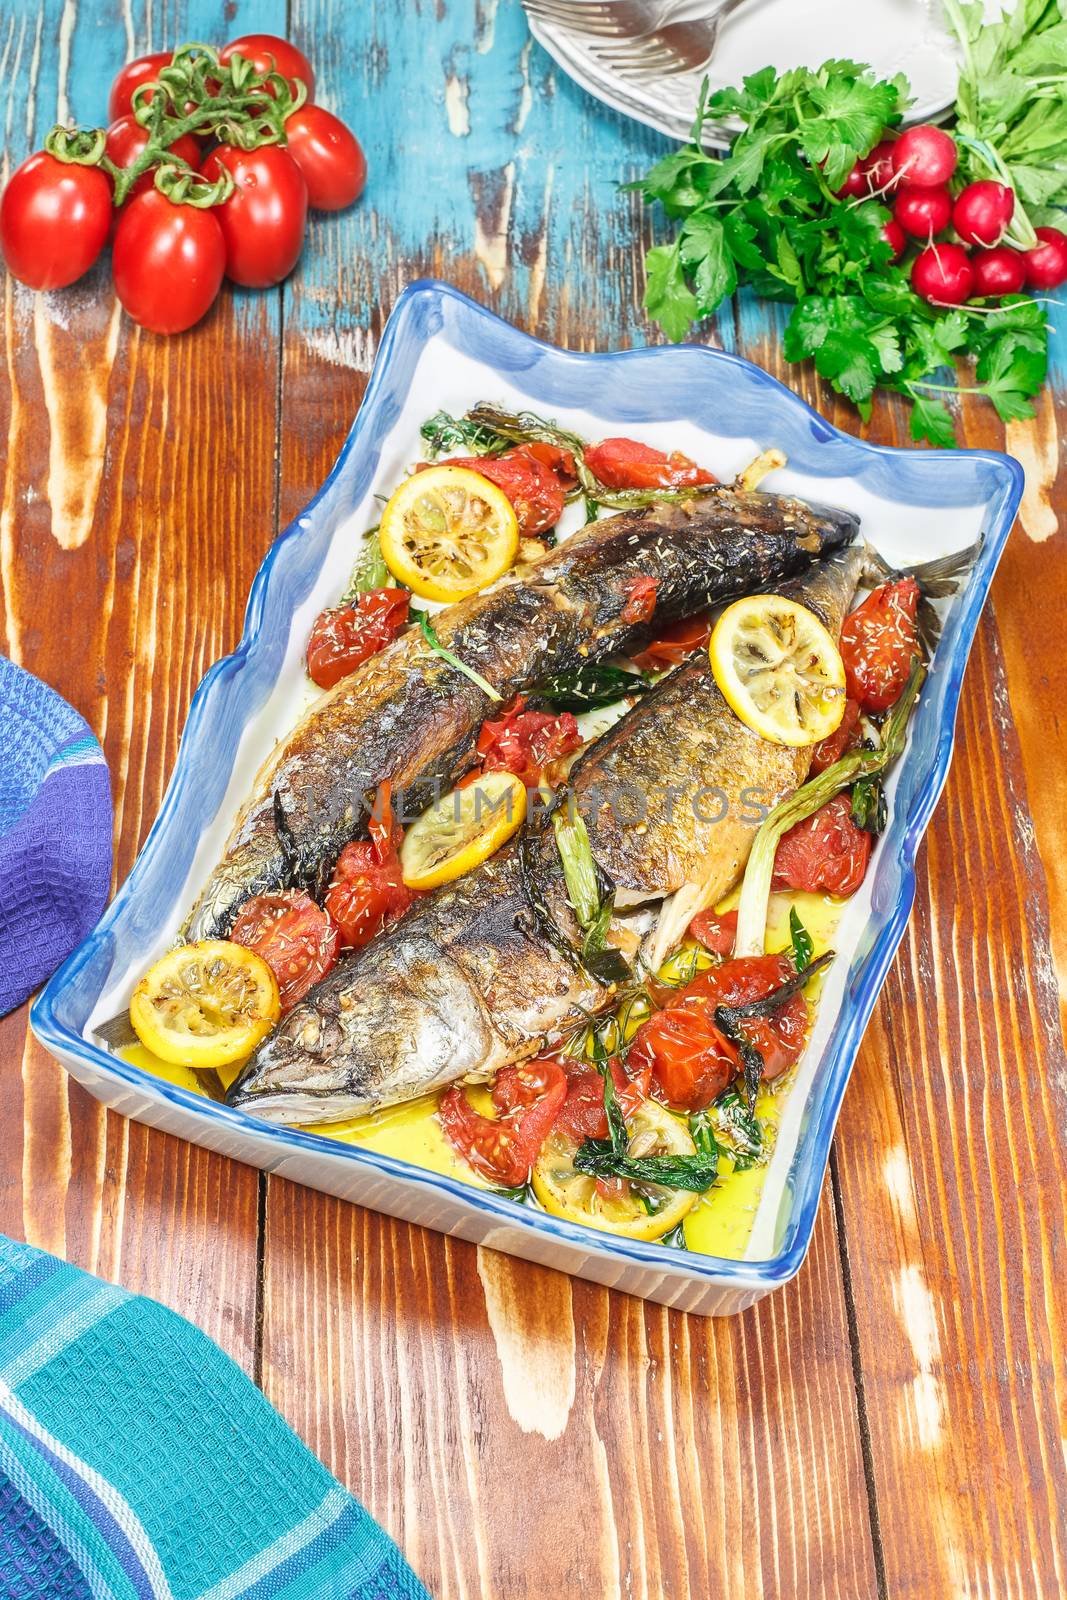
(520, 1434)
(138, 499)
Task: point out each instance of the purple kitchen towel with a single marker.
(55, 832)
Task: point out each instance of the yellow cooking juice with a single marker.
(720, 1222)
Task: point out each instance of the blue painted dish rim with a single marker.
(867, 972)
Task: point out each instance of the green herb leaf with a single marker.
(443, 432)
(589, 686)
(931, 419)
(453, 660)
(668, 298)
(695, 1173)
(803, 945)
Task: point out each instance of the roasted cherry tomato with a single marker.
(296, 939)
(628, 464)
(345, 636)
(715, 933)
(144, 70)
(524, 742)
(264, 219)
(268, 53)
(168, 262)
(367, 890)
(879, 642)
(827, 853)
(125, 141)
(329, 155)
(504, 1148)
(691, 1060)
(54, 220)
(536, 484)
(845, 737)
(675, 644)
(640, 603)
(583, 1115)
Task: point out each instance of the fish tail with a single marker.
(936, 579)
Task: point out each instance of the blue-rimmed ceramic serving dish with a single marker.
(440, 350)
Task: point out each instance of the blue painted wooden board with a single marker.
(520, 1434)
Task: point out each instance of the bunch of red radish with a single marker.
(912, 174)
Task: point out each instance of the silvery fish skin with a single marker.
(408, 716)
(469, 979)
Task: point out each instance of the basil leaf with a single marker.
(803, 946)
(590, 686)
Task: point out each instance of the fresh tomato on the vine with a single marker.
(503, 1148)
(628, 464)
(345, 636)
(879, 642)
(826, 853)
(367, 890)
(536, 479)
(675, 644)
(691, 1060)
(296, 939)
(130, 77)
(715, 933)
(524, 742)
(264, 219)
(125, 141)
(168, 262)
(329, 155)
(268, 53)
(54, 220)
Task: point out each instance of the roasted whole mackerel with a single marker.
(408, 716)
(475, 976)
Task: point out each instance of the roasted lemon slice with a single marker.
(643, 1211)
(778, 669)
(448, 532)
(461, 829)
(205, 1005)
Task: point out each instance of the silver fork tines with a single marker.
(606, 19)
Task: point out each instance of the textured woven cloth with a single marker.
(55, 832)
(137, 1462)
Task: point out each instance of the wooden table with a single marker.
(892, 1423)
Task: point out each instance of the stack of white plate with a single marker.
(893, 36)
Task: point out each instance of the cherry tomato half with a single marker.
(846, 736)
(130, 77)
(54, 220)
(879, 642)
(345, 636)
(296, 939)
(675, 644)
(582, 1115)
(125, 141)
(524, 742)
(715, 933)
(367, 890)
(264, 219)
(628, 464)
(825, 854)
(268, 53)
(329, 155)
(640, 603)
(504, 1148)
(536, 483)
(168, 262)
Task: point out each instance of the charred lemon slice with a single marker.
(448, 532)
(205, 1005)
(637, 1211)
(462, 829)
(778, 669)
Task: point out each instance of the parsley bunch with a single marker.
(767, 215)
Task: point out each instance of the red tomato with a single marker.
(167, 263)
(504, 1148)
(296, 940)
(144, 70)
(367, 890)
(329, 155)
(627, 464)
(674, 644)
(268, 53)
(845, 737)
(825, 854)
(715, 933)
(263, 221)
(54, 220)
(125, 141)
(583, 1115)
(524, 742)
(879, 642)
(640, 603)
(345, 636)
(691, 1060)
(536, 487)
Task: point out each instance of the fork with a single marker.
(605, 19)
(671, 48)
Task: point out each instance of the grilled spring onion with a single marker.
(590, 686)
(592, 899)
(859, 764)
(730, 1021)
(370, 571)
(443, 432)
(453, 660)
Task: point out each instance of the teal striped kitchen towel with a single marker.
(137, 1462)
